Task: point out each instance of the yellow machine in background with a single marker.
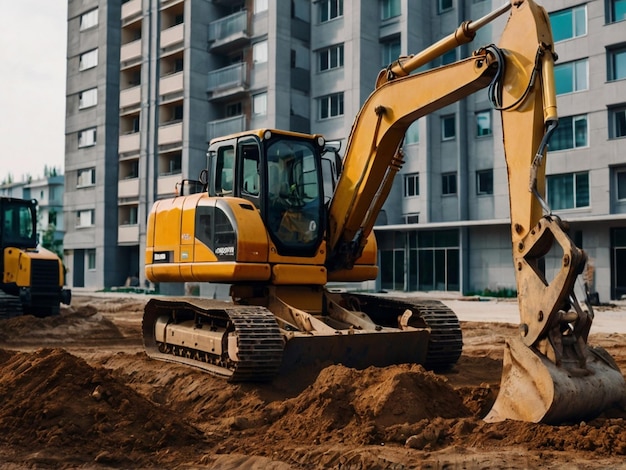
(262, 219)
(32, 276)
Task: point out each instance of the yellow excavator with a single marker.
(32, 276)
(260, 219)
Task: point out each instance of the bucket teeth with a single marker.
(535, 389)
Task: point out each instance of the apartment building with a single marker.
(150, 82)
(48, 191)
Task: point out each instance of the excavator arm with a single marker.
(550, 374)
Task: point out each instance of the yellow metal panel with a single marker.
(230, 272)
(252, 239)
(356, 274)
(298, 274)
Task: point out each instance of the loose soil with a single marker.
(77, 391)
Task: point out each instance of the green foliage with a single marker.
(49, 242)
(503, 293)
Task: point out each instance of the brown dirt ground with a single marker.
(77, 391)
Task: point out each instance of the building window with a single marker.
(483, 123)
(570, 23)
(330, 9)
(260, 5)
(616, 63)
(330, 58)
(390, 51)
(330, 106)
(448, 183)
(412, 135)
(259, 104)
(389, 9)
(620, 177)
(89, 19)
(412, 185)
(87, 138)
(412, 218)
(571, 76)
(568, 191)
(259, 52)
(91, 259)
(617, 122)
(85, 218)
(448, 127)
(444, 5)
(484, 182)
(88, 98)
(617, 10)
(571, 133)
(86, 177)
(88, 60)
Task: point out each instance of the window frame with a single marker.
(79, 218)
(620, 174)
(574, 196)
(574, 86)
(91, 259)
(328, 99)
(489, 129)
(89, 19)
(442, 8)
(390, 9)
(562, 123)
(444, 127)
(448, 184)
(92, 94)
(479, 182)
(88, 60)
(612, 12)
(327, 54)
(612, 53)
(82, 135)
(85, 178)
(614, 112)
(412, 184)
(260, 52)
(573, 23)
(326, 10)
(259, 104)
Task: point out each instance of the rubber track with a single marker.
(260, 344)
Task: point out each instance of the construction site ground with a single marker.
(78, 391)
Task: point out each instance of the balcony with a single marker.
(167, 184)
(229, 32)
(131, 11)
(129, 143)
(172, 38)
(130, 53)
(130, 98)
(128, 234)
(228, 81)
(128, 188)
(225, 126)
(171, 133)
(171, 84)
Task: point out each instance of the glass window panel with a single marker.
(581, 74)
(412, 135)
(621, 185)
(618, 10)
(580, 126)
(483, 123)
(582, 189)
(425, 270)
(619, 123)
(453, 270)
(398, 269)
(564, 78)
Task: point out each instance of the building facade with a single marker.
(151, 81)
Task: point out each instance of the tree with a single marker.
(49, 241)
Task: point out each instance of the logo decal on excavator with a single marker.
(225, 251)
(161, 256)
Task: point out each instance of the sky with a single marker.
(33, 38)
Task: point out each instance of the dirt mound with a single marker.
(73, 324)
(358, 406)
(56, 403)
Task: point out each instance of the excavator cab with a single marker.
(280, 174)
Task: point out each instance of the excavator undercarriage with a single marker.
(245, 342)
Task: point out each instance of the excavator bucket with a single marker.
(535, 389)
